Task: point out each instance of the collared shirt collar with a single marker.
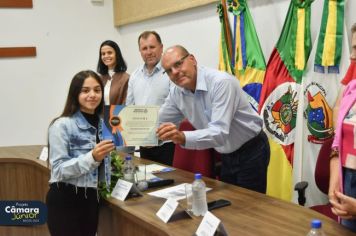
(201, 83)
(81, 121)
(157, 68)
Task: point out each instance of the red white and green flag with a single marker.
(320, 85)
(279, 96)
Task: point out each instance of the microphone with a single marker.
(159, 183)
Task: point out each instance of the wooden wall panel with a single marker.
(16, 3)
(129, 11)
(17, 51)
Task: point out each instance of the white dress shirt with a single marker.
(148, 89)
(218, 109)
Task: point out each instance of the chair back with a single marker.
(322, 167)
(195, 161)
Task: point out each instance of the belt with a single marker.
(251, 142)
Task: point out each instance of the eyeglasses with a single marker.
(177, 65)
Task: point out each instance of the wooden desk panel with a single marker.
(251, 213)
(24, 177)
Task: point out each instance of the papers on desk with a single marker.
(175, 192)
(167, 210)
(44, 154)
(209, 225)
(146, 172)
(155, 168)
(141, 175)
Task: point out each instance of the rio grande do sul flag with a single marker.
(320, 87)
(279, 96)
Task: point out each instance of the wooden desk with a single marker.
(251, 213)
(24, 177)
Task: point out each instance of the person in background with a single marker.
(75, 153)
(350, 75)
(149, 86)
(218, 108)
(112, 68)
(342, 186)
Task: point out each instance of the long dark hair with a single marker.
(72, 104)
(120, 62)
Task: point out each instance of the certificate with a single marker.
(131, 125)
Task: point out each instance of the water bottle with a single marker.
(315, 228)
(129, 170)
(199, 205)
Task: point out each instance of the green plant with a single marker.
(116, 174)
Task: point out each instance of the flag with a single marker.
(328, 53)
(225, 45)
(350, 74)
(279, 96)
(240, 54)
(248, 61)
(319, 90)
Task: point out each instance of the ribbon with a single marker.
(116, 128)
(294, 44)
(328, 54)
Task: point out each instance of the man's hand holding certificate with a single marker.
(131, 125)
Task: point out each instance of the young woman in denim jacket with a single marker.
(75, 153)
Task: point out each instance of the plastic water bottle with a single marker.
(316, 229)
(129, 169)
(199, 205)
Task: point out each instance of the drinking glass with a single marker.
(189, 197)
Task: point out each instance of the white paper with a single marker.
(44, 154)
(167, 210)
(148, 176)
(121, 190)
(176, 192)
(131, 125)
(208, 225)
(155, 168)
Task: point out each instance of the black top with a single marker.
(93, 120)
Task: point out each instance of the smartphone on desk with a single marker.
(217, 204)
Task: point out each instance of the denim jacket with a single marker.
(71, 141)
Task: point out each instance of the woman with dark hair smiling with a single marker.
(112, 67)
(75, 153)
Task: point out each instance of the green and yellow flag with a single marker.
(240, 52)
(328, 54)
